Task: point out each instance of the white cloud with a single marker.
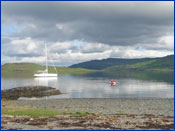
(165, 42)
(60, 47)
(40, 59)
(70, 57)
(68, 53)
(23, 48)
(7, 59)
(132, 52)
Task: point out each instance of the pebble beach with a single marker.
(116, 114)
(105, 106)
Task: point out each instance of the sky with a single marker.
(81, 31)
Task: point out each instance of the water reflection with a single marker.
(45, 81)
(97, 87)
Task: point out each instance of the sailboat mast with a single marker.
(46, 58)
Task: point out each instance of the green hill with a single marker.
(161, 69)
(28, 69)
(101, 64)
(164, 62)
(156, 64)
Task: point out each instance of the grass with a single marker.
(28, 69)
(164, 64)
(38, 112)
(161, 69)
(141, 64)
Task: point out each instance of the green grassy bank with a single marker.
(28, 70)
(37, 112)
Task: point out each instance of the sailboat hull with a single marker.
(45, 75)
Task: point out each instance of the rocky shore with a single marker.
(110, 114)
(28, 91)
(92, 122)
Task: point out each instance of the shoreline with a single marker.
(100, 114)
(156, 106)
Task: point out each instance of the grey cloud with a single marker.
(12, 54)
(94, 48)
(115, 23)
(58, 51)
(93, 51)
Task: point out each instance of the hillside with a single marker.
(157, 64)
(161, 69)
(101, 64)
(28, 69)
(164, 62)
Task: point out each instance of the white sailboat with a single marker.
(45, 73)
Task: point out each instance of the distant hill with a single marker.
(154, 63)
(163, 62)
(101, 64)
(28, 70)
(161, 69)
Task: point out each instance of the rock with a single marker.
(31, 119)
(28, 91)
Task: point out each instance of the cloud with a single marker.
(59, 47)
(110, 23)
(72, 58)
(166, 42)
(66, 53)
(163, 43)
(128, 52)
(98, 27)
(94, 48)
(23, 48)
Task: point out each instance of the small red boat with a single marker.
(113, 82)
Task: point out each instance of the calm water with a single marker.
(96, 87)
